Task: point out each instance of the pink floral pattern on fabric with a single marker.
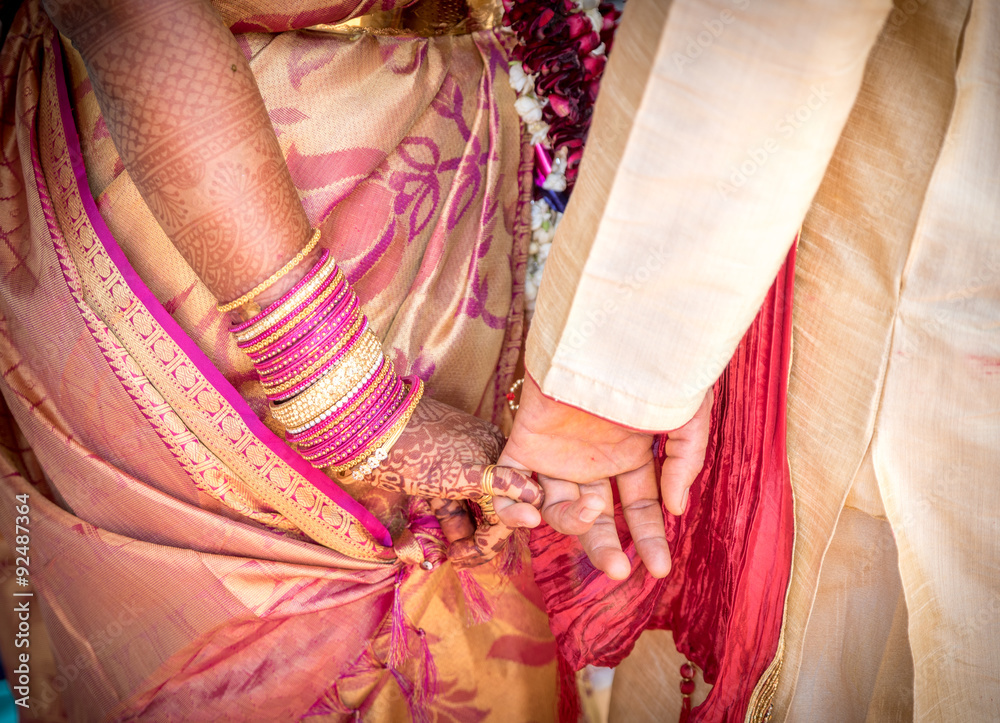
(203, 596)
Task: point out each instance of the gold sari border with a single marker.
(203, 412)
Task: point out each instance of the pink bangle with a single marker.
(344, 447)
(339, 444)
(305, 327)
(328, 335)
(323, 290)
(373, 417)
(316, 374)
(244, 325)
(374, 388)
(328, 327)
(400, 417)
(338, 458)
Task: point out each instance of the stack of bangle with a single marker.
(324, 373)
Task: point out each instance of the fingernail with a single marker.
(589, 515)
(684, 500)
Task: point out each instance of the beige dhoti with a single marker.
(876, 129)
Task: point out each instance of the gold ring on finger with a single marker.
(487, 482)
(486, 505)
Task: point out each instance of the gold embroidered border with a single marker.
(191, 405)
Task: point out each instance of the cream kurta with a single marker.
(721, 126)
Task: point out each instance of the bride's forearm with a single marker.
(184, 111)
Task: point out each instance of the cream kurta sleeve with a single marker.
(714, 127)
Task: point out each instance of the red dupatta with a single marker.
(731, 550)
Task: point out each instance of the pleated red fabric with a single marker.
(731, 549)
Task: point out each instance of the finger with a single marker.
(480, 547)
(680, 468)
(640, 497)
(571, 508)
(490, 539)
(516, 485)
(464, 553)
(685, 457)
(454, 518)
(601, 541)
(516, 514)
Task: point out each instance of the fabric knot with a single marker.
(408, 549)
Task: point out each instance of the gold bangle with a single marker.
(335, 409)
(333, 386)
(268, 282)
(268, 323)
(340, 417)
(316, 403)
(280, 387)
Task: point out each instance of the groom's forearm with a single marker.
(691, 190)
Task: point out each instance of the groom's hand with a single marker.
(575, 452)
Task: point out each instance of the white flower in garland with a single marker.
(528, 105)
(544, 220)
(556, 180)
(519, 80)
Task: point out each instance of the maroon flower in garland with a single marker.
(561, 46)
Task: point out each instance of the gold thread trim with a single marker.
(273, 278)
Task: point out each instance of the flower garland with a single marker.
(556, 72)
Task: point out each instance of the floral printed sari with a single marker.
(185, 564)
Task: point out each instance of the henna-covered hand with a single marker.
(442, 454)
(469, 546)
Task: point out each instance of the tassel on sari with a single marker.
(569, 695)
(399, 642)
(477, 605)
(418, 708)
(427, 689)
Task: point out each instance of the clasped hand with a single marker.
(443, 453)
(576, 453)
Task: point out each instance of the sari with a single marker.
(187, 564)
(184, 563)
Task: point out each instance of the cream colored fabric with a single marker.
(731, 137)
(858, 665)
(894, 396)
(646, 687)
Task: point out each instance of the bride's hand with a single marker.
(442, 454)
